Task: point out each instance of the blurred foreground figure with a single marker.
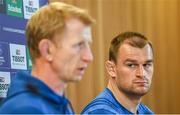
(58, 36)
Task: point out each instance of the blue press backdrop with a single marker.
(14, 55)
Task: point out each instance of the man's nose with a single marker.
(87, 55)
(140, 72)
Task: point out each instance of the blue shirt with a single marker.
(106, 103)
(28, 95)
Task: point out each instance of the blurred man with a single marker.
(130, 67)
(58, 36)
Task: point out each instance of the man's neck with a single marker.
(43, 72)
(130, 103)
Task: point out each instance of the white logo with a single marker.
(14, 9)
(4, 83)
(30, 6)
(18, 56)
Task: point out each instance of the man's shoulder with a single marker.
(143, 109)
(99, 106)
(102, 104)
(22, 103)
(20, 109)
(19, 104)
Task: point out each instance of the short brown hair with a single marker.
(49, 20)
(134, 39)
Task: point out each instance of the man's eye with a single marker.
(80, 44)
(148, 65)
(131, 65)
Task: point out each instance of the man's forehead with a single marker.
(134, 53)
(129, 48)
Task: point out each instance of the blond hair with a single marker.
(49, 20)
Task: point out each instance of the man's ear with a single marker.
(45, 49)
(110, 67)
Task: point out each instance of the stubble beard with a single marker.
(134, 92)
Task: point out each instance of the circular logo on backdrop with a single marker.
(30, 2)
(2, 79)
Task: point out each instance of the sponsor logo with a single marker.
(30, 6)
(2, 79)
(18, 51)
(4, 86)
(30, 2)
(14, 8)
(18, 56)
(4, 83)
(13, 30)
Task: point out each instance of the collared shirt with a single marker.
(106, 103)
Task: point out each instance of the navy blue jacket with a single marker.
(106, 103)
(28, 95)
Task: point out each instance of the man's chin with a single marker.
(76, 78)
(142, 92)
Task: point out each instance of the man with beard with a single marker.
(130, 67)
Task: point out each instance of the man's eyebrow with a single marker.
(133, 60)
(149, 61)
(130, 60)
